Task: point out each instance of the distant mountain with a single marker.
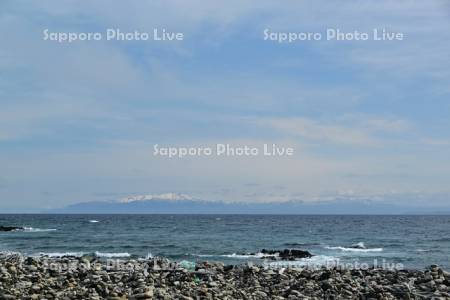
(183, 204)
(166, 196)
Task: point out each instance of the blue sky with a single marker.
(367, 119)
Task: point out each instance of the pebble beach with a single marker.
(159, 278)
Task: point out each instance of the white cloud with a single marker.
(92, 85)
(349, 129)
(388, 125)
(435, 142)
(322, 131)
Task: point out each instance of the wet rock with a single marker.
(30, 278)
(10, 228)
(286, 254)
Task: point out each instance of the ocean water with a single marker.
(412, 241)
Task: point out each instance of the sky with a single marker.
(368, 120)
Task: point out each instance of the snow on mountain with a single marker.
(166, 196)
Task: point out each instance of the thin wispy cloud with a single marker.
(82, 118)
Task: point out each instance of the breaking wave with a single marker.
(238, 256)
(112, 255)
(358, 247)
(80, 254)
(31, 229)
(312, 262)
(62, 254)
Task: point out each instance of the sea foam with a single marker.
(31, 229)
(112, 255)
(62, 254)
(358, 247)
(312, 262)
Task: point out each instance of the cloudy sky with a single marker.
(367, 119)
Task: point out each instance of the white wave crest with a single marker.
(350, 249)
(359, 245)
(62, 254)
(112, 255)
(256, 255)
(31, 229)
(423, 250)
(238, 256)
(316, 261)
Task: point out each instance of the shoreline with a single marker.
(159, 278)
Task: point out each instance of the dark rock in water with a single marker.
(10, 228)
(286, 254)
(358, 246)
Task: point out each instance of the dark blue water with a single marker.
(413, 241)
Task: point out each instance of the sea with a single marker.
(407, 241)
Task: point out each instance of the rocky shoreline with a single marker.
(158, 278)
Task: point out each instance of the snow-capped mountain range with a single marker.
(166, 196)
